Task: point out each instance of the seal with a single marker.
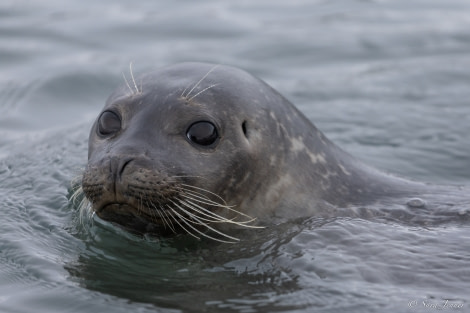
(199, 148)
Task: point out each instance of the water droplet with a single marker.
(416, 203)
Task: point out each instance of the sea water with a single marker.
(388, 81)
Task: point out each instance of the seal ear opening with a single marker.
(245, 132)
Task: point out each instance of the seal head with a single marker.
(199, 147)
(185, 149)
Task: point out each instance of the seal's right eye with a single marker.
(202, 133)
(108, 123)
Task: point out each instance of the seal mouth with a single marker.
(131, 218)
(194, 210)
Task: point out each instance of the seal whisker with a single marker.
(200, 92)
(184, 228)
(202, 223)
(76, 182)
(137, 91)
(78, 192)
(169, 216)
(170, 223)
(207, 191)
(195, 219)
(165, 223)
(85, 211)
(191, 218)
(204, 211)
(228, 207)
(84, 206)
(184, 220)
(221, 219)
(204, 200)
(140, 207)
(197, 84)
(84, 203)
(127, 83)
(154, 213)
(211, 218)
(199, 195)
(162, 217)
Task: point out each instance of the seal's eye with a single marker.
(108, 123)
(202, 133)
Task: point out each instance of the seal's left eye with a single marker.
(202, 133)
(108, 123)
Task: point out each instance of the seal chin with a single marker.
(130, 218)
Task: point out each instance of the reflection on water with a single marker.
(386, 80)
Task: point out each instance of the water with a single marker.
(386, 80)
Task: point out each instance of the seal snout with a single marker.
(128, 185)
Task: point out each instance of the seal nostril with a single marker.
(244, 129)
(123, 166)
